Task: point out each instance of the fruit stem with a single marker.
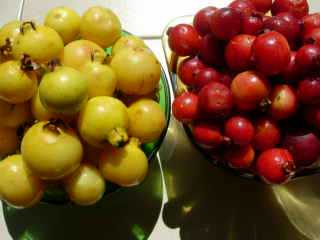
(97, 56)
(264, 104)
(6, 49)
(118, 137)
(27, 64)
(25, 24)
(173, 62)
(51, 65)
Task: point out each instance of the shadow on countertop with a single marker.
(126, 214)
(206, 202)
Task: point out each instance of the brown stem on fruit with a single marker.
(27, 64)
(51, 65)
(289, 168)
(97, 56)
(6, 49)
(118, 137)
(26, 24)
(55, 125)
(264, 104)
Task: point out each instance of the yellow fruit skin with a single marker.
(50, 154)
(63, 91)
(9, 142)
(147, 120)
(10, 30)
(85, 186)
(16, 86)
(127, 166)
(101, 79)
(18, 186)
(77, 53)
(65, 21)
(99, 117)
(129, 41)
(17, 115)
(42, 44)
(101, 26)
(137, 71)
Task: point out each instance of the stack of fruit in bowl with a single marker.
(250, 81)
(78, 97)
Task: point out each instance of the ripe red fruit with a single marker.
(185, 107)
(215, 99)
(275, 165)
(305, 148)
(226, 79)
(309, 90)
(312, 36)
(226, 23)
(183, 40)
(249, 89)
(308, 58)
(267, 134)
(239, 51)
(299, 8)
(284, 102)
(206, 76)
(311, 21)
(211, 51)
(188, 70)
(240, 130)
(201, 20)
(271, 53)
(252, 23)
(312, 115)
(207, 135)
(240, 157)
(262, 5)
(244, 6)
(292, 70)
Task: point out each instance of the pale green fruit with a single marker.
(77, 53)
(65, 21)
(100, 25)
(51, 151)
(127, 166)
(129, 41)
(16, 86)
(104, 120)
(64, 90)
(41, 43)
(18, 186)
(9, 141)
(14, 115)
(85, 186)
(101, 79)
(137, 70)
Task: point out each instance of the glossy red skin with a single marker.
(240, 157)
(284, 102)
(201, 20)
(312, 36)
(184, 40)
(239, 51)
(252, 24)
(271, 53)
(226, 79)
(244, 6)
(215, 100)
(305, 148)
(309, 90)
(240, 130)
(249, 89)
(211, 51)
(226, 23)
(207, 135)
(308, 58)
(185, 107)
(312, 115)
(262, 5)
(311, 21)
(188, 70)
(275, 165)
(267, 134)
(206, 76)
(292, 70)
(299, 8)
